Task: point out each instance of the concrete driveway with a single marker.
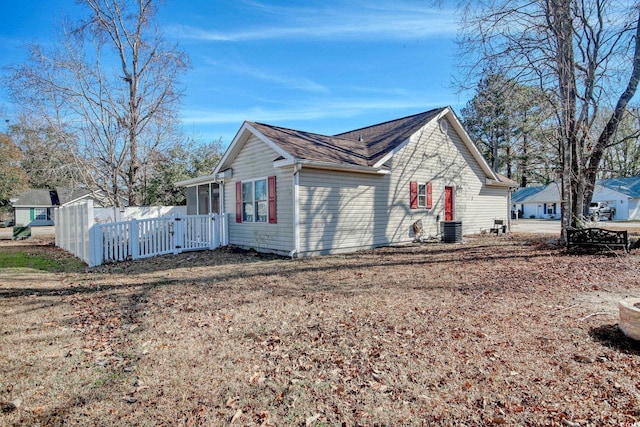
(550, 226)
(546, 226)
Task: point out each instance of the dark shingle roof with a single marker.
(363, 147)
(46, 197)
(382, 138)
(312, 146)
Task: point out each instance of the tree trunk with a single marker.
(561, 24)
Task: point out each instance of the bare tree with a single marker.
(13, 180)
(584, 54)
(111, 84)
(44, 160)
(623, 159)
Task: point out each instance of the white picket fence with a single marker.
(97, 244)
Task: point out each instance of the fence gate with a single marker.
(136, 239)
(96, 244)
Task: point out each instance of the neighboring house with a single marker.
(537, 202)
(297, 193)
(623, 194)
(35, 207)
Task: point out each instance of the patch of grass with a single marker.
(38, 258)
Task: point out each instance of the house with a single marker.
(623, 194)
(35, 207)
(537, 202)
(298, 193)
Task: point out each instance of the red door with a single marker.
(448, 203)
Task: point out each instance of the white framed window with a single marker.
(254, 201)
(422, 195)
(41, 214)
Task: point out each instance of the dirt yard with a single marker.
(494, 331)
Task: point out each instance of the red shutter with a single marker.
(413, 195)
(271, 188)
(238, 201)
(429, 196)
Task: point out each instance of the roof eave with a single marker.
(340, 167)
(197, 180)
(496, 183)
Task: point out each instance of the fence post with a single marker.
(178, 234)
(96, 245)
(134, 239)
(86, 229)
(224, 230)
(213, 233)
(56, 227)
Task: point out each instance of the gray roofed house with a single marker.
(623, 194)
(300, 193)
(35, 207)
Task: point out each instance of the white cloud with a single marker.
(395, 21)
(319, 111)
(283, 80)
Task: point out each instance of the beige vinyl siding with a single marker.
(337, 211)
(444, 160)
(341, 211)
(255, 161)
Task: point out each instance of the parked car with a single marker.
(598, 210)
(7, 223)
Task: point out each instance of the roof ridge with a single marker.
(392, 120)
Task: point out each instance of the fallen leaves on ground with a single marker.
(507, 330)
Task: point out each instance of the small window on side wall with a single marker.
(420, 195)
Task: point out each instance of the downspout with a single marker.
(224, 231)
(296, 210)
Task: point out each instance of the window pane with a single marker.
(215, 198)
(247, 192)
(192, 195)
(247, 212)
(422, 195)
(203, 199)
(40, 214)
(247, 201)
(261, 190)
(261, 208)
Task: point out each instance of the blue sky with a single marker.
(318, 66)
